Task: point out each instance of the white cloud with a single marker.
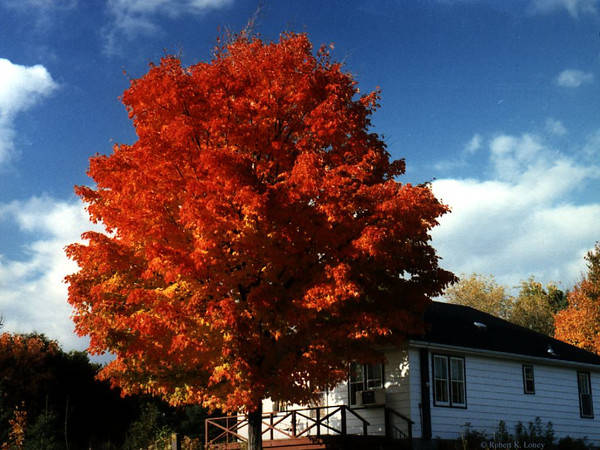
(592, 146)
(573, 7)
(131, 18)
(469, 150)
(474, 144)
(571, 78)
(21, 87)
(33, 296)
(520, 221)
(555, 127)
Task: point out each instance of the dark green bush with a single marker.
(535, 432)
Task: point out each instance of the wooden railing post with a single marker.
(318, 421)
(271, 423)
(294, 423)
(344, 420)
(205, 433)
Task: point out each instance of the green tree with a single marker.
(41, 434)
(481, 292)
(593, 264)
(533, 306)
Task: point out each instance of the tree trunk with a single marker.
(255, 429)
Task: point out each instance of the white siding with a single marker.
(495, 392)
(397, 381)
(415, 391)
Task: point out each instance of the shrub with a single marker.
(535, 432)
(568, 443)
(502, 434)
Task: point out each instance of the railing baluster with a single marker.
(271, 423)
(294, 423)
(343, 410)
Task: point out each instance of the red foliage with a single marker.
(16, 433)
(258, 239)
(579, 322)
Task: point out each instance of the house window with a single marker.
(364, 377)
(449, 384)
(528, 379)
(584, 386)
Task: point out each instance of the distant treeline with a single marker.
(50, 399)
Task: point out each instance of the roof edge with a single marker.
(502, 355)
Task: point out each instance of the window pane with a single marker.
(586, 405)
(457, 369)
(441, 391)
(440, 367)
(457, 378)
(458, 393)
(440, 375)
(374, 376)
(374, 371)
(529, 386)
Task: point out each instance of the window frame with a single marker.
(525, 379)
(588, 384)
(365, 383)
(450, 403)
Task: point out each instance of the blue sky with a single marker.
(497, 103)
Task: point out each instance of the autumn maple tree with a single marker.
(257, 236)
(579, 322)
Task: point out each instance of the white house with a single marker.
(469, 367)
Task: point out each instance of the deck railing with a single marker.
(317, 421)
(397, 425)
